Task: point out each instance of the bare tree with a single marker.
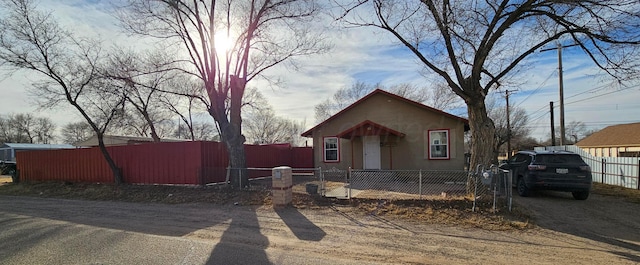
(262, 126)
(475, 46)
(32, 40)
(259, 34)
(26, 128)
(44, 130)
(576, 130)
(198, 131)
(518, 123)
(182, 97)
(438, 97)
(140, 78)
(75, 132)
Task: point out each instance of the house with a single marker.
(8, 150)
(386, 131)
(622, 140)
(114, 140)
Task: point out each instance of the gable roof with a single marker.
(368, 128)
(394, 96)
(612, 136)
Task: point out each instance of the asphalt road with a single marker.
(57, 231)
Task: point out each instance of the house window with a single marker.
(331, 150)
(439, 144)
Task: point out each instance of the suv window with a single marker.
(519, 158)
(559, 159)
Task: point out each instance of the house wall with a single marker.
(409, 152)
(610, 151)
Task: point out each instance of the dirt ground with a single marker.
(552, 227)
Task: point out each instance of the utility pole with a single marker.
(553, 129)
(560, 87)
(506, 93)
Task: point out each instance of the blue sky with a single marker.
(362, 54)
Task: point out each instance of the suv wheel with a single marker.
(523, 191)
(580, 195)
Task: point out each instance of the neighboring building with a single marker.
(621, 140)
(8, 150)
(113, 140)
(386, 131)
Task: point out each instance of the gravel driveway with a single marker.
(603, 219)
(600, 230)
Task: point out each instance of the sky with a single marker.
(363, 54)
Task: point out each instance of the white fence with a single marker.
(619, 171)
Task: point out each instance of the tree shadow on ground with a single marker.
(242, 242)
(604, 219)
(301, 227)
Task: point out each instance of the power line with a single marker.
(536, 90)
(597, 96)
(588, 91)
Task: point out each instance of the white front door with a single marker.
(371, 150)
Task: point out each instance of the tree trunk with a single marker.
(152, 128)
(483, 134)
(117, 174)
(231, 131)
(234, 141)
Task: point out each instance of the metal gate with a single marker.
(334, 183)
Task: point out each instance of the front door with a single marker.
(371, 150)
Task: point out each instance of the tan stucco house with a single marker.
(622, 140)
(386, 131)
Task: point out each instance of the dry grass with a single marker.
(629, 195)
(454, 211)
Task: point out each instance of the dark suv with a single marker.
(550, 170)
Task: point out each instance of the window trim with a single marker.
(448, 144)
(324, 149)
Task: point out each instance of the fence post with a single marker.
(604, 169)
(349, 183)
(638, 179)
(420, 184)
(319, 169)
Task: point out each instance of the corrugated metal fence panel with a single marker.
(265, 156)
(214, 161)
(302, 157)
(159, 163)
(279, 155)
(194, 163)
(74, 165)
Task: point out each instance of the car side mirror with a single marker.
(505, 166)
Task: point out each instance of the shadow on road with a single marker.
(242, 242)
(148, 218)
(300, 225)
(604, 219)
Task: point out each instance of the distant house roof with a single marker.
(614, 136)
(309, 132)
(23, 146)
(111, 140)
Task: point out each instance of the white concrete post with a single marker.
(282, 182)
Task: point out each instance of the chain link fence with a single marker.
(260, 178)
(483, 184)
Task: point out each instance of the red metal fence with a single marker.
(192, 163)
